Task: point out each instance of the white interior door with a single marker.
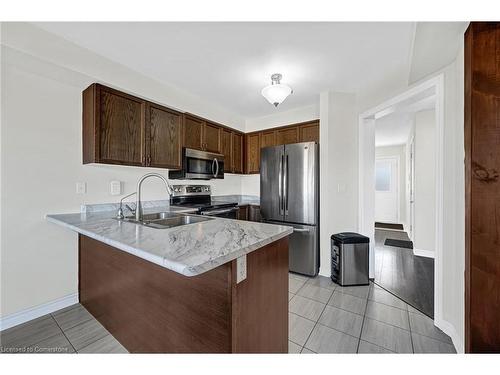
(387, 190)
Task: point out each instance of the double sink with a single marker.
(165, 220)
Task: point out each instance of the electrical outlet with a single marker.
(81, 187)
(241, 269)
(115, 188)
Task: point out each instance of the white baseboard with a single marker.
(423, 253)
(450, 330)
(37, 311)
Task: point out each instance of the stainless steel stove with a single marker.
(200, 198)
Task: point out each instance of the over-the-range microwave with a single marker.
(199, 165)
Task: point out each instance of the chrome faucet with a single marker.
(120, 209)
(138, 205)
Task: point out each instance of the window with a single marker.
(383, 176)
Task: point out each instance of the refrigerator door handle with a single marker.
(280, 186)
(286, 185)
(300, 230)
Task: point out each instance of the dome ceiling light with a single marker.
(276, 92)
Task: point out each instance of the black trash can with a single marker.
(350, 258)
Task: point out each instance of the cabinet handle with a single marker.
(149, 160)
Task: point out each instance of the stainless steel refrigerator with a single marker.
(289, 195)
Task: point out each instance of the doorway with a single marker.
(387, 182)
(412, 274)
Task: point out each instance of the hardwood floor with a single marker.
(403, 274)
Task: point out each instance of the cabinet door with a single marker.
(309, 132)
(193, 132)
(121, 128)
(286, 136)
(227, 150)
(164, 135)
(253, 152)
(243, 213)
(238, 155)
(267, 138)
(211, 137)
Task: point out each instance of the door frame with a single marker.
(398, 183)
(411, 190)
(366, 177)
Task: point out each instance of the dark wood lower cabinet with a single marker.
(243, 213)
(482, 187)
(150, 309)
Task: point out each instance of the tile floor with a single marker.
(323, 318)
(327, 318)
(70, 330)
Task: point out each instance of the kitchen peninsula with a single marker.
(198, 288)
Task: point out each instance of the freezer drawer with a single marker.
(303, 248)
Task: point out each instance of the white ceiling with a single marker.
(395, 125)
(436, 45)
(229, 63)
(393, 129)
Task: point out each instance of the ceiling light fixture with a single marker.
(276, 92)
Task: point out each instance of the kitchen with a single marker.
(168, 223)
(190, 147)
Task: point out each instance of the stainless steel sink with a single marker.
(164, 220)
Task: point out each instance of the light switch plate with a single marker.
(115, 188)
(241, 269)
(81, 187)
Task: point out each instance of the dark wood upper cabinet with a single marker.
(252, 152)
(309, 132)
(193, 132)
(238, 156)
(287, 135)
(164, 137)
(113, 127)
(227, 149)
(268, 138)
(119, 128)
(211, 137)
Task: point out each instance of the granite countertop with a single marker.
(187, 249)
(242, 200)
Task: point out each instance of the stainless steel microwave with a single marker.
(199, 165)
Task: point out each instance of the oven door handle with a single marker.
(218, 212)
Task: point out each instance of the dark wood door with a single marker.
(212, 137)
(238, 155)
(193, 132)
(227, 150)
(253, 152)
(267, 138)
(121, 128)
(482, 169)
(287, 136)
(309, 132)
(164, 137)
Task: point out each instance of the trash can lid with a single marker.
(350, 237)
